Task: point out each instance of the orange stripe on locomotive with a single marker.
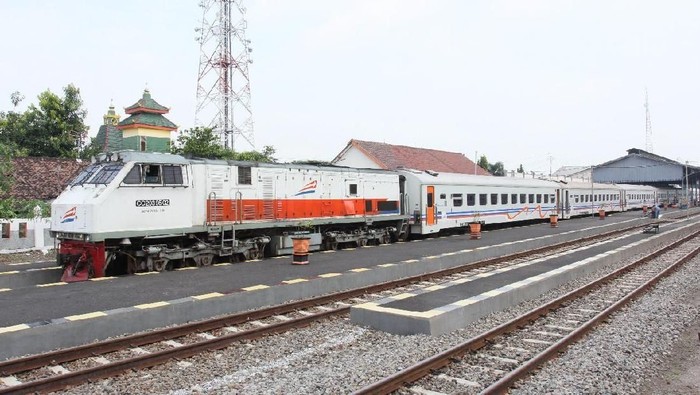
(281, 209)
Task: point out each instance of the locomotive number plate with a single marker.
(153, 203)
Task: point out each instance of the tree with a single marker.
(497, 169)
(204, 143)
(54, 128)
(520, 169)
(483, 162)
(254, 156)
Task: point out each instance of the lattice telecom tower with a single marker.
(649, 146)
(223, 83)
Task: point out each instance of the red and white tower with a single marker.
(223, 83)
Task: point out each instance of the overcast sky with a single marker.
(523, 82)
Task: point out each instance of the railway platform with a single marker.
(445, 307)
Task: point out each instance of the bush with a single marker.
(23, 208)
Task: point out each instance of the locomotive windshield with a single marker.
(98, 174)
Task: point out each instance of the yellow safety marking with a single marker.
(151, 305)
(14, 328)
(102, 278)
(208, 296)
(51, 284)
(435, 287)
(18, 264)
(222, 264)
(278, 257)
(186, 268)
(463, 302)
(360, 269)
(461, 281)
(404, 295)
(467, 250)
(349, 249)
(328, 275)
(295, 281)
(387, 265)
(484, 274)
(5, 289)
(145, 273)
(256, 287)
(389, 310)
(86, 316)
(448, 253)
(494, 292)
(410, 261)
(432, 257)
(327, 252)
(10, 272)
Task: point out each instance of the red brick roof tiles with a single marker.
(43, 178)
(394, 156)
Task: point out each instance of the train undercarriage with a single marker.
(82, 260)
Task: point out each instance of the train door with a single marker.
(430, 206)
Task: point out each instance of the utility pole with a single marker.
(223, 83)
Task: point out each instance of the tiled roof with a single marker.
(43, 178)
(109, 138)
(147, 104)
(149, 119)
(395, 156)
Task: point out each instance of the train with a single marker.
(132, 211)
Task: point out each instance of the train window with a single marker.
(514, 198)
(5, 230)
(483, 199)
(538, 197)
(551, 198)
(471, 199)
(442, 196)
(151, 174)
(134, 175)
(546, 198)
(245, 175)
(456, 199)
(522, 198)
(172, 175)
(106, 174)
(430, 199)
(575, 198)
(531, 198)
(368, 206)
(504, 198)
(494, 199)
(352, 190)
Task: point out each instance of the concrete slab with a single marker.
(442, 308)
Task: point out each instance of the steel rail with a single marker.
(425, 367)
(70, 354)
(502, 385)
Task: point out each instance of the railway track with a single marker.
(60, 369)
(493, 362)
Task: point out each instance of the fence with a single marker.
(19, 235)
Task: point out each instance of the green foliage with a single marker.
(497, 169)
(90, 150)
(204, 143)
(54, 128)
(483, 162)
(23, 208)
(6, 155)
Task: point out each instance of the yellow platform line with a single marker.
(151, 305)
(51, 284)
(14, 328)
(86, 316)
(208, 296)
(328, 275)
(295, 281)
(256, 287)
